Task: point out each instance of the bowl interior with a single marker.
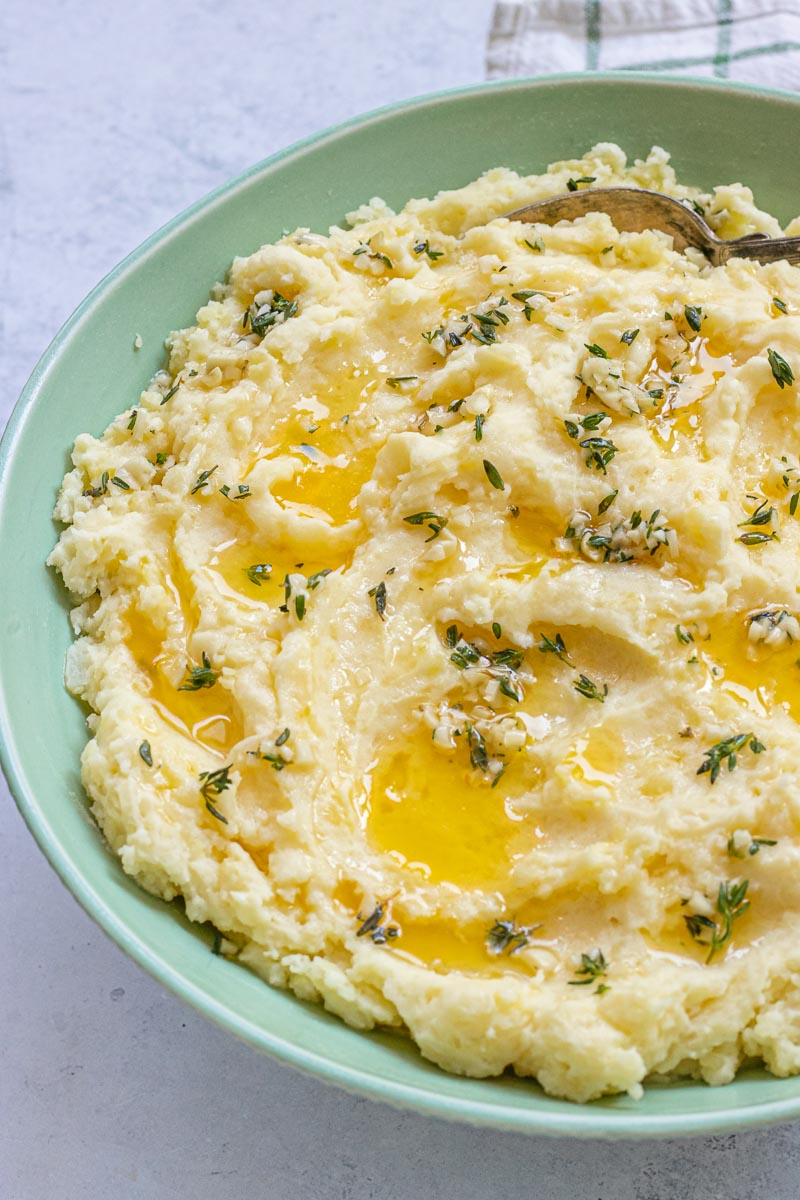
(92, 372)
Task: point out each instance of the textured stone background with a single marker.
(112, 118)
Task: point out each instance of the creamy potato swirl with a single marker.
(437, 612)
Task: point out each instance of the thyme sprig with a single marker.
(202, 480)
(782, 373)
(506, 937)
(752, 849)
(434, 522)
(556, 646)
(258, 573)
(199, 677)
(272, 310)
(592, 967)
(584, 686)
(378, 594)
(731, 904)
(214, 783)
(426, 249)
(727, 751)
(373, 927)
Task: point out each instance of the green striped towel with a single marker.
(753, 40)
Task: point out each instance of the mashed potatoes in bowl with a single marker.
(438, 614)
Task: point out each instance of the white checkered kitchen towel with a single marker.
(753, 40)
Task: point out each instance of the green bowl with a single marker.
(716, 133)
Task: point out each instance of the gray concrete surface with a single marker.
(112, 118)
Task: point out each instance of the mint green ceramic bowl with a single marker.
(90, 373)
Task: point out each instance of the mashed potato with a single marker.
(437, 609)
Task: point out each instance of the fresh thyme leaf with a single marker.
(435, 523)
(145, 753)
(694, 316)
(300, 605)
(478, 754)
(572, 184)
(751, 850)
(378, 593)
(757, 539)
(372, 926)
(120, 483)
(283, 738)
(782, 373)
(497, 630)
(168, 395)
(762, 515)
(793, 504)
(780, 304)
(214, 783)
(591, 968)
(134, 415)
(555, 645)
(397, 381)
(202, 480)
(629, 336)
(595, 350)
(537, 246)
(479, 421)
(731, 904)
(506, 937)
(425, 248)
(727, 750)
(601, 451)
(199, 677)
(241, 493)
(265, 317)
(216, 945)
(493, 475)
(161, 458)
(316, 579)
(607, 501)
(258, 572)
(585, 687)
(683, 635)
(99, 489)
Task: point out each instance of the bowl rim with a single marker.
(583, 1121)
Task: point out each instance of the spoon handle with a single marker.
(764, 250)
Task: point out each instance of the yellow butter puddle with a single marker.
(208, 716)
(678, 419)
(759, 677)
(438, 816)
(325, 486)
(257, 570)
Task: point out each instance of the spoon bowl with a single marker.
(633, 210)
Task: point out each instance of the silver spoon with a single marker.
(632, 210)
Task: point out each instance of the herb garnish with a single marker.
(277, 761)
(629, 336)
(479, 323)
(731, 903)
(601, 451)
(133, 416)
(506, 937)
(425, 248)
(479, 423)
(202, 480)
(493, 475)
(683, 635)
(100, 489)
(764, 514)
(591, 968)
(556, 646)
(694, 316)
(590, 422)
(524, 296)
(378, 594)
(199, 677)
(782, 373)
(572, 184)
(145, 753)
(595, 350)
(755, 845)
(258, 572)
(214, 783)
(374, 255)
(537, 246)
(728, 749)
(585, 687)
(780, 304)
(241, 493)
(264, 317)
(373, 927)
(435, 523)
(168, 395)
(397, 381)
(607, 501)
